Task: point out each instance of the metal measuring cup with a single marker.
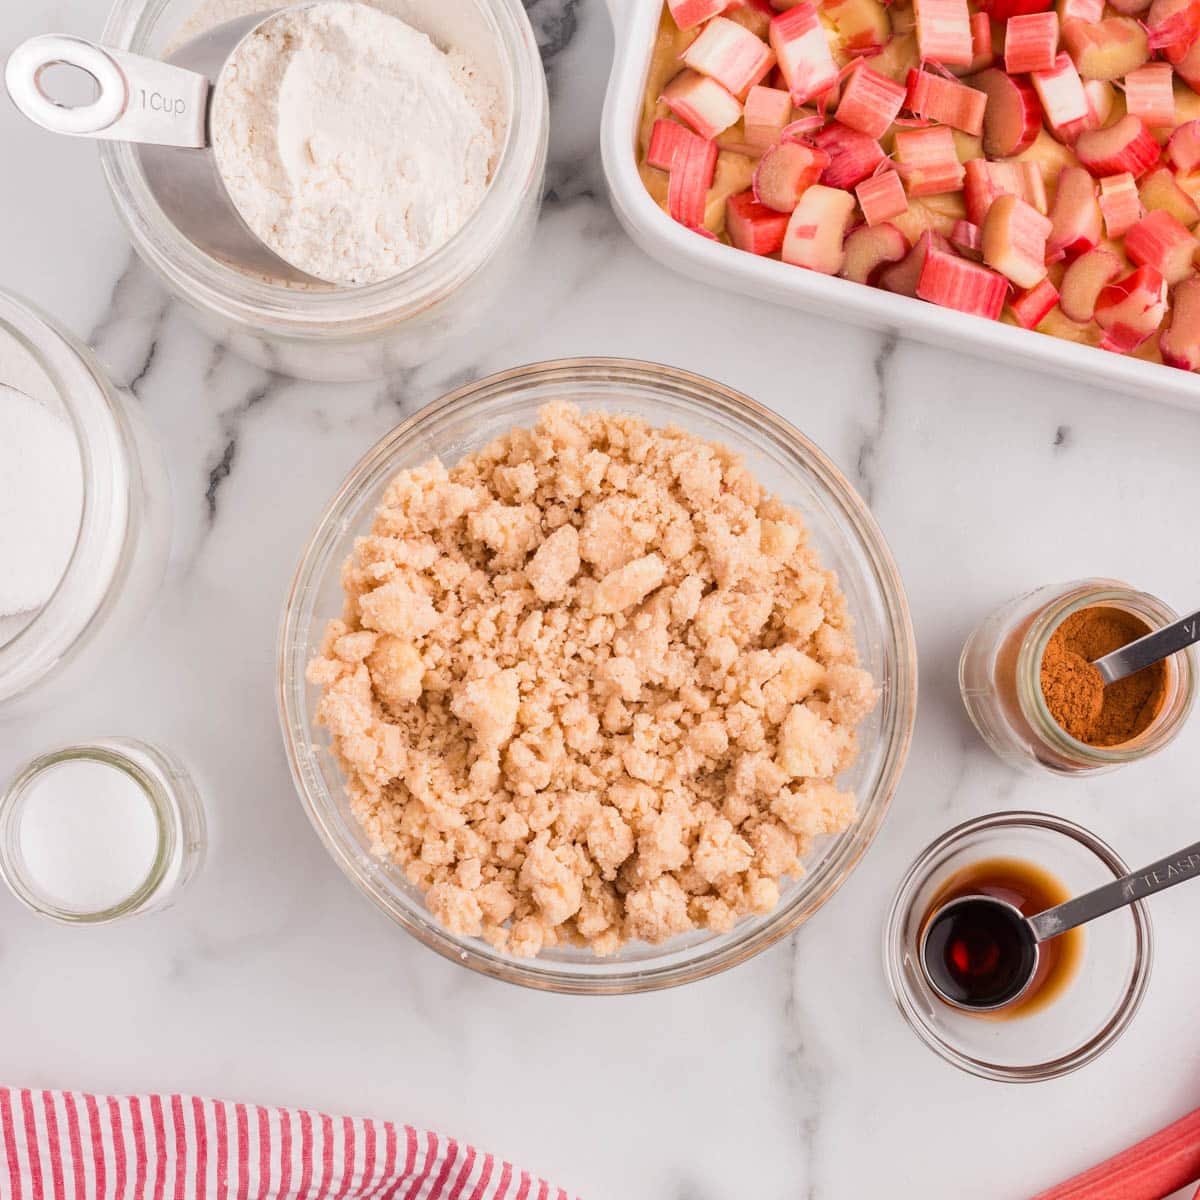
(164, 108)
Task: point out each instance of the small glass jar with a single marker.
(1096, 1005)
(125, 525)
(343, 334)
(178, 819)
(999, 675)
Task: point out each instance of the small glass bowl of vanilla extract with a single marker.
(1089, 982)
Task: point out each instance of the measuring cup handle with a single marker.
(138, 99)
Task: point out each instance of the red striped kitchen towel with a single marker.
(75, 1146)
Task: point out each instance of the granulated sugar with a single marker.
(351, 144)
(41, 487)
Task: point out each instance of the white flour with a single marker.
(350, 143)
(41, 487)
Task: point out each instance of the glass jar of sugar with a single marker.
(367, 331)
(86, 513)
(99, 831)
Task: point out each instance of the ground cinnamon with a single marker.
(1074, 690)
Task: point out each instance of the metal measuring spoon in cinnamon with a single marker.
(980, 953)
(1146, 651)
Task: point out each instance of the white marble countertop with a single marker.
(792, 1076)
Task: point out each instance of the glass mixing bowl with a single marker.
(786, 463)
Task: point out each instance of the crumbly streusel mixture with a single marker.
(591, 685)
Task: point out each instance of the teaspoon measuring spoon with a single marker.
(1027, 933)
(164, 109)
(1146, 651)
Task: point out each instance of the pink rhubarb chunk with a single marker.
(954, 282)
(944, 32)
(802, 51)
(730, 54)
(816, 232)
(702, 102)
(870, 102)
(881, 197)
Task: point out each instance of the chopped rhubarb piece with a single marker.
(955, 282)
(946, 101)
(752, 226)
(1101, 96)
(1084, 280)
(982, 51)
(667, 138)
(1080, 10)
(1106, 49)
(1075, 216)
(1160, 191)
(1031, 43)
(1061, 93)
(786, 172)
(1031, 306)
(1179, 343)
(691, 177)
(1120, 204)
(1187, 67)
(1173, 26)
(871, 249)
(1014, 241)
(903, 277)
(928, 161)
(1001, 10)
(1150, 95)
(702, 102)
(967, 238)
(766, 114)
(1184, 147)
(1131, 309)
(1161, 242)
(985, 181)
(881, 197)
(1124, 146)
(944, 31)
(730, 54)
(689, 13)
(1013, 115)
(853, 156)
(870, 102)
(817, 230)
(802, 51)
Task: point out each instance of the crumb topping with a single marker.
(592, 684)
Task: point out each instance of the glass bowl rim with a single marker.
(868, 540)
(1090, 1050)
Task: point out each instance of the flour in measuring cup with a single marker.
(351, 144)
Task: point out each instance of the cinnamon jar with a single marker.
(1004, 685)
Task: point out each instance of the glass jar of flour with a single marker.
(85, 516)
(367, 330)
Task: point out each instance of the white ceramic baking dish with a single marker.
(635, 22)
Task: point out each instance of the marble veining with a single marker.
(789, 1078)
